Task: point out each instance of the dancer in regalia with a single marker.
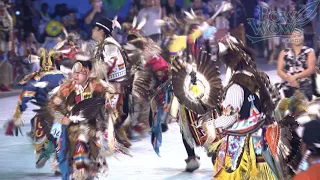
(110, 61)
(73, 111)
(37, 86)
(176, 46)
(6, 47)
(246, 111)
(150, 73)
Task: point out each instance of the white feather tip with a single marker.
(188, 15)
(159, 22)
(142, 23)
(41, 84)
(134, 22)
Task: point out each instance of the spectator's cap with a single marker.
(105, 24)
(309, 133)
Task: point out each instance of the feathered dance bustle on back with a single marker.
(208, 83)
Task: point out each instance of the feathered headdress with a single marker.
(134, 29)
(46, 60)
(134, 37)
(47, 63)
(236, 56)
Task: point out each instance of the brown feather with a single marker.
(209, 70)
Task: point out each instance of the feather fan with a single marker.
(87, 109)
(206, 94)
(288, 150)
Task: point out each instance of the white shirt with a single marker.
(151, 14)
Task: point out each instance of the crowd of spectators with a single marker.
(30, 24)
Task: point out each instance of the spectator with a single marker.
(316, 27)
(200, 8)
(74, 22)
(44, 18)
(152, 11)
(296, 65)
(29, 46)
(27, 14)
(171, 8)
(70, 21)
(92, 16)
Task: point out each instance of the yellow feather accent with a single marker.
(38, 146)
(213, 147)
(195, 89)
(284, 104)
(300, 103)
(43, 56)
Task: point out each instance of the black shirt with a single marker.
(96, 18)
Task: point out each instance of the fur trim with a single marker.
(108, 86)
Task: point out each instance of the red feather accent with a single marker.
(112, 66)
(9, 130)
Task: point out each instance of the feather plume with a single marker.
(59, 45)
(99, 69)
(65, 32)
(142, 23)
(134, 22)
(192, 13)
(116, 22)
(77, 119)
(189, 16)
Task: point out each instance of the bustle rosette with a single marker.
(197, 84)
